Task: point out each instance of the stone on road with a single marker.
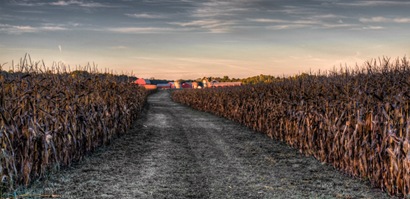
(174, 151)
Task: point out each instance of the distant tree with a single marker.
(249, 80)
(259, 79)
(225, 79)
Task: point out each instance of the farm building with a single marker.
(149, 86)
(186, 85)
(141, 81)
(177, 84)
(195, 85)
(165, 86)
(145, 83)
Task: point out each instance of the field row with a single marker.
(355, 119)
(50, 120)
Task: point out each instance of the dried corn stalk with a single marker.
(357, 120)
(49, 119)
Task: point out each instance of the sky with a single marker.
(189, 39)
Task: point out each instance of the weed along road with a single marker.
(176, 152)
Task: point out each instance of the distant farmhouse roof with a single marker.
(141, 81)
(186, 85)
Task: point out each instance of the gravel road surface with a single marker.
(173, 151)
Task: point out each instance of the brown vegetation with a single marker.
(49, 119)
(357, 120)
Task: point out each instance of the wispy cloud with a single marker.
(29, 4)
(141, 30)
(216, 11)
(384, 20)
(64, 3)
(266, 20)
(373, 28)
(30, 11)
(145, 16)
(324, 21)
(208, 9)
(402, 20)
(287, 26)
(217, 16)
(309, 22)
(209, 25)
(19, 29)
(79, 3)
(339, 25)
(327, 16)
(296, 10)
(375, 3)
(52, 28)
(301, 22)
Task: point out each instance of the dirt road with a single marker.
(176, 152)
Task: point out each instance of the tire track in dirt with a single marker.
(176, 152)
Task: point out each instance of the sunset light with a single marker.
(189, 39)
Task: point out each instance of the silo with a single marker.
(205, 83)
(177, 84)
(195, 85)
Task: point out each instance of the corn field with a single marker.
(50, 118)
(355, 119)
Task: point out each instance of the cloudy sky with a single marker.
(194, 38)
